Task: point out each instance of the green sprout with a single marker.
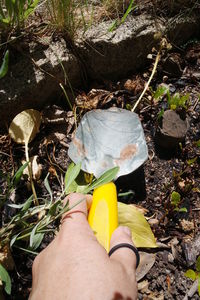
(174, 102)
(176, 201)
(195, 275)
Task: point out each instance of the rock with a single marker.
(114, 54)
(172, 65)
(34, 80)
(36, 70)
(172, 130)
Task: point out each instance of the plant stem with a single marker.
(30, 175)
(149, 81)
(62, 87)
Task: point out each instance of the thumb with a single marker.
(123, 255)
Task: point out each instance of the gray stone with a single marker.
(34, 79)
(115, 54)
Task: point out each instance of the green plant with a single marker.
(27, 226)
(4, 66)
(68, 15)
(176, 201)
(13, 13)
(195, 275)
(5, 278)
(175, 101)
(121, 20)
(12, 183)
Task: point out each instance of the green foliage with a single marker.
(13, 13)
(198, 264)
(68, 15)
(176, 201)
(4, 66)
(198, 143)
(191, 274)
(19, 173)
(5, 278)
(70, 176)
(191, 161)
(12, 183)
(174, 102)
(177, 101)
(72, 185)
(159, 93)
(25, 224)
(118, 22)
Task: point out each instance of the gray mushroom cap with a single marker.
(108, 138)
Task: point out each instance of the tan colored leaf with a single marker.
(142, 234)
(36, 168)
(147, 261)
(25, 126)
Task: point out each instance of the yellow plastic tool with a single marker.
(103, 214)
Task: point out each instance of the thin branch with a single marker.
(149, 81)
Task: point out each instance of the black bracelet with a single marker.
(126, 245)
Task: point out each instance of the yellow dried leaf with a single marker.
(25, 126)
(142, 234)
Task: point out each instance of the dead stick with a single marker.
(192, 290)
(149, 81)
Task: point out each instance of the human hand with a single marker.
(75, 266)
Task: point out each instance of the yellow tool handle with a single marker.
(103, 214)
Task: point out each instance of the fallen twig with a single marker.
(149, 81)
(192, 290)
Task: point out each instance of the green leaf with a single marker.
(129, 9)
(191, 161)
(175, 198)
(198, 143)
(103, 179)
(71, 174)
(198, 264)
(13, 239)
(199, 285)
(183, 209)
(24, 206)
(113, 26)
(190, 274)
(160, 114)
(116, 23)
(161, 90)
(47, 186)
(53, 208)
(19, 173)
(173, 106)
(4, 66)
(5, 279)
(27, 204)
(35, 238)
(183, 100)
(18, 206)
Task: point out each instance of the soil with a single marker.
(166, 170)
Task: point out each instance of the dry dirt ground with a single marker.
(164, 172)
